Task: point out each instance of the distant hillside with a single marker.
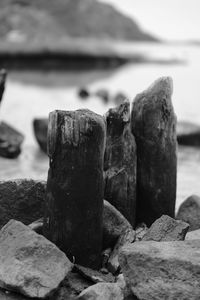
(38, 21)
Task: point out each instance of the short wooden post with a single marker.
(154, 128)
(74, 202)
(2, 83)
(120, 162)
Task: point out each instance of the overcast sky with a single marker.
(168, 19)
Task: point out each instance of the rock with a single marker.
(140, 231)
(120, 162)
(188, 134)
(103, 94)
(10, 141)
(102, 291)
(29, 263)
(37, 226)
(154, 127)
(166, 229)
(83, 93)
(3, 74)
(128, 295)
(162, 270)
(40, 127)
(193, 235)
(114, 225)
(93, 275)
(21, 199)
(105, 257)
(126, 237)
(189, 212)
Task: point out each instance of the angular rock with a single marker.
(126, 238)
(10, 141)
(162, 270)
(93, 275)
(188, 134)
(154, 127)
(193, 235)
(120, 162)
(37, 226)
(29, 263)
(102, 291)
(22, 200)
(166, 229)
(114, 225)
(2, 83)
(189, 212)
(40, 127)
(128, 295)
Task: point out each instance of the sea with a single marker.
(33, 94)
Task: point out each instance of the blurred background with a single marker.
(70, 54)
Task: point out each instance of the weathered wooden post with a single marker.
(2, 83)
(154, 128)
(74, 202)
(120, 162)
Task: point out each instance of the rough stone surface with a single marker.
(40, 127)
(166, 229)
(21, 200)
(93, 275)
(74, 198)
(37, 226)
(29, 263)
(102, 291)
(154, 127)
(114, 225)
(140, 231)
(193, 235)
(189, 212)
(10, 141)
(120, 162)
(126, 237)
(162, 270)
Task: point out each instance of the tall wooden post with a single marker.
(154, 128)
(120, 162)
(74, 202)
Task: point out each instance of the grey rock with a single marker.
(102, 291)
(193, 235)
(140, 231)
(162, 270)
(22, 200)
(166, 229)
(114, 225)
(189, 212)
(29, 263)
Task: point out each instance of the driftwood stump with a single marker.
(2, 83)
(154, 128)
(74, 202)
(120, 162)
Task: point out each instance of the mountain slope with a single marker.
(40, 20)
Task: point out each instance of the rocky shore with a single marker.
(103, 226)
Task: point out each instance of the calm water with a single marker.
(30, 95)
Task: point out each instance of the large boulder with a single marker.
(162, 270)
(22, 200)
(10, 141)
(166, 229)
(188, 134)
(114, 225)
(102, 291)
(29, 263)
(189, 212)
